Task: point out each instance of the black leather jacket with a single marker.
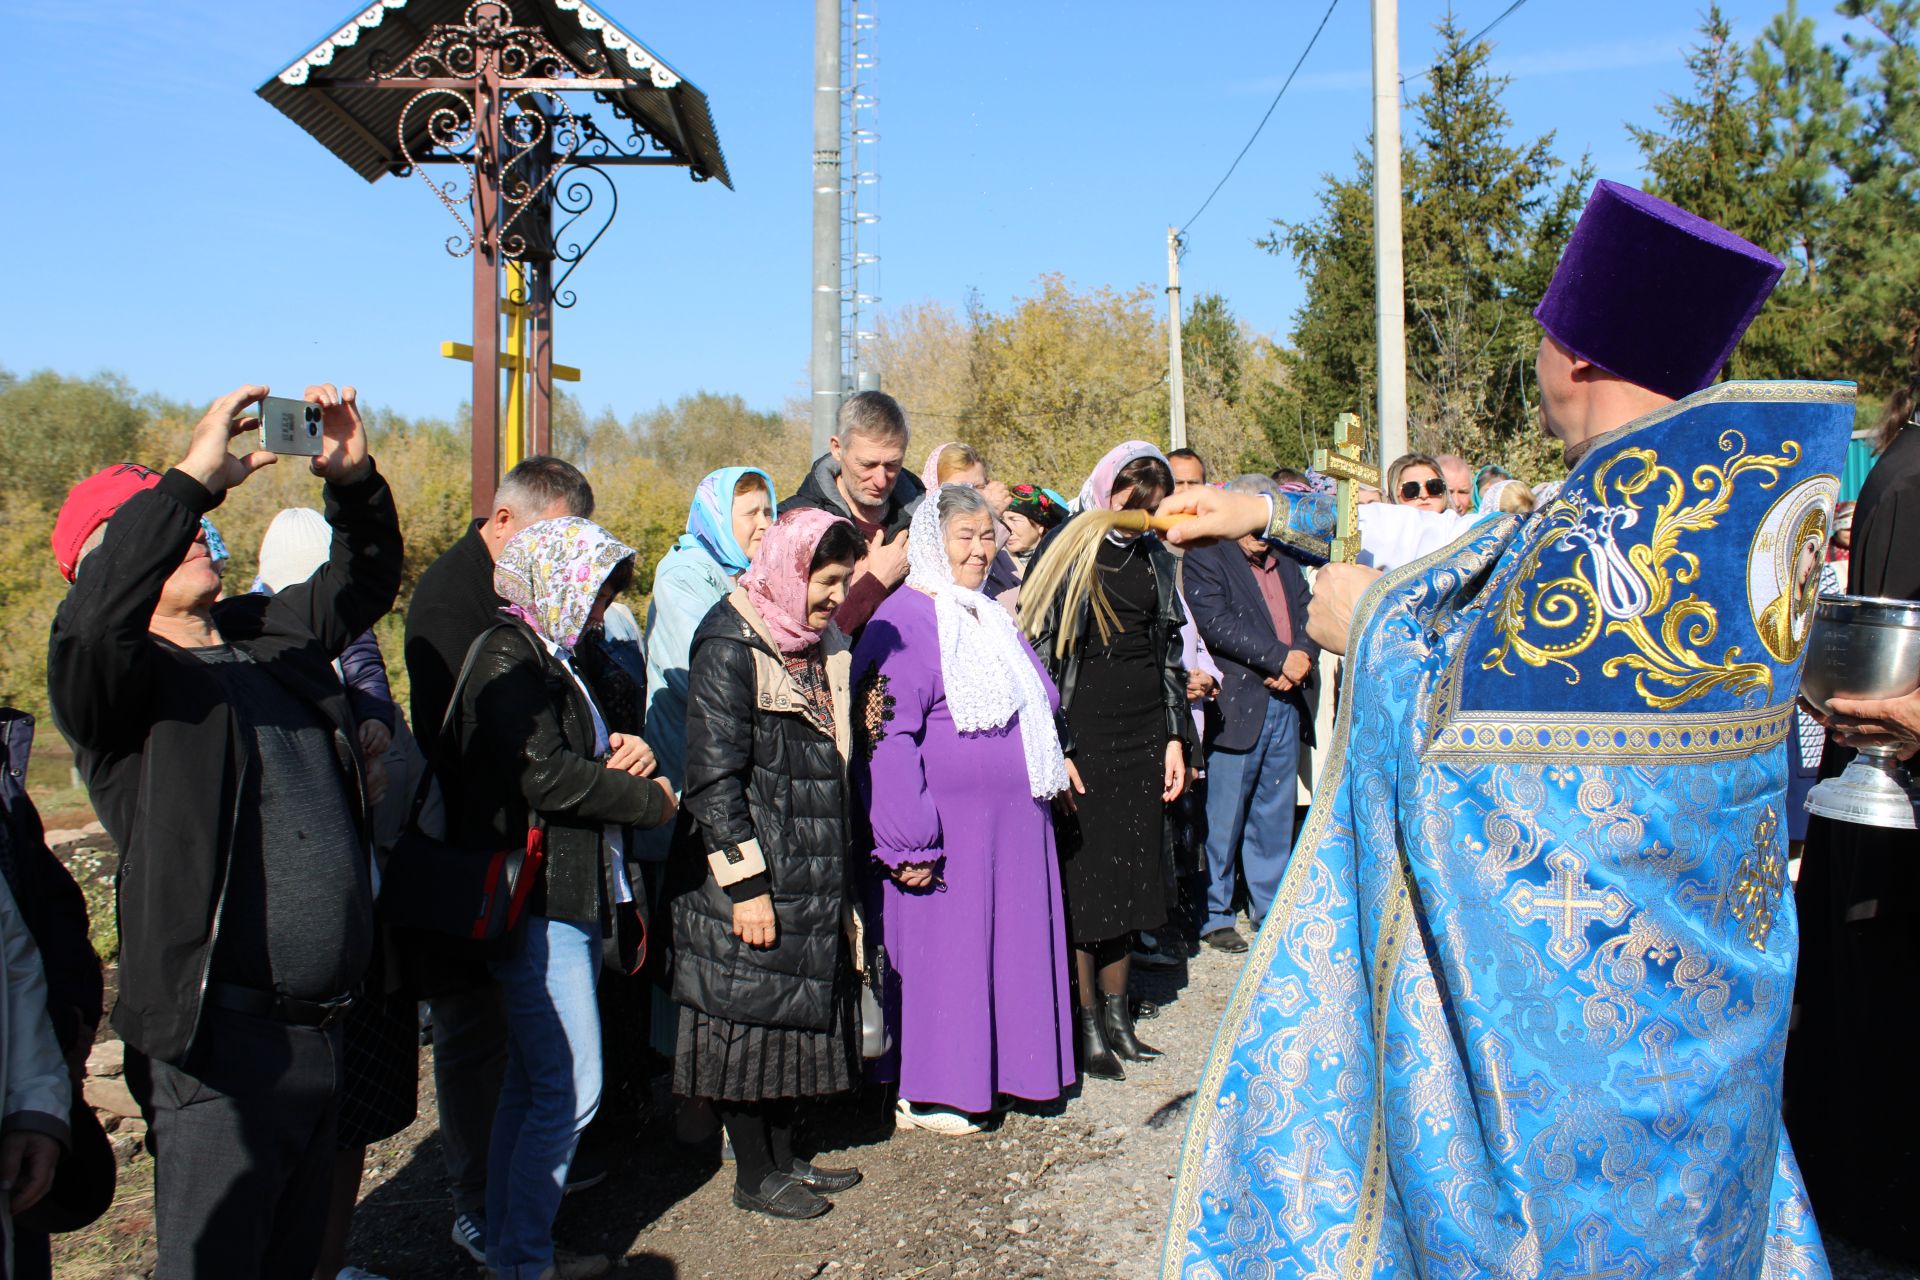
(1170, 618)
(525, 748)
(759, 771)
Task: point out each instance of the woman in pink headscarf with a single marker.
(762, 968)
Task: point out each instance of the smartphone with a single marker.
(290, 426)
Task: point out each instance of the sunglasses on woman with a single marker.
(1410, 490)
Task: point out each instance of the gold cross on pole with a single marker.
(517, 360)
(1343, 463)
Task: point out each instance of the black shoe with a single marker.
(1145, 1010)
(815, 1178)
(1118, 1024)
(1091, 1048)
(1227, 940)
(781, 1195)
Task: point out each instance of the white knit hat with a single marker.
(297, 543)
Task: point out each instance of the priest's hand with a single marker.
(753, 922)
(1216, 513)
(1336, 591)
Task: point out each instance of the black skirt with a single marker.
(1113, 848)
(743, 1062)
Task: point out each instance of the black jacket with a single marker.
(50, 902)
(759, 773)
(163, 754)
(1233, 620)
(1171, 617)
(524, 747)
(452, 604)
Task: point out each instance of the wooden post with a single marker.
(486, 287)
(1344, 463)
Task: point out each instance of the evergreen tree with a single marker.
(1485, 217)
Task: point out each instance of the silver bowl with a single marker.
(1864, 647)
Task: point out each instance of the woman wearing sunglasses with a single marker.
(1414, 480)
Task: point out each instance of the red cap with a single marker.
(90, 504)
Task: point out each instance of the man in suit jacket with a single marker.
(1250, 603)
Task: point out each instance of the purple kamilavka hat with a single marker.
(1654, 294)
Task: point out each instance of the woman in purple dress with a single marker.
(958, 758)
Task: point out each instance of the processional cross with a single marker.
(1344, 464)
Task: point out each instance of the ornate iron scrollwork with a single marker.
(487, 36)
(588, 197)
(450, 128)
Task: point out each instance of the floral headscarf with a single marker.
(552, 572)
(1097, 493)
(984, 667)
(710, 518)
(1037, 504)
(777, 582)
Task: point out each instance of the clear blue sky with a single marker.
(170, 226)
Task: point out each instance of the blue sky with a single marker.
(170, 226)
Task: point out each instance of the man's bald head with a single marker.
(1459, 478)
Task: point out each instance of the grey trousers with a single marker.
(469, 1061)
(243, 1145)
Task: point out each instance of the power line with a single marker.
(1472, 40)
(1263, 119)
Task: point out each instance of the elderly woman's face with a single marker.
(826, 591)
(1022, 534)
(969, 538)
(752, 513)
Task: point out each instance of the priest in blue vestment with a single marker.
(1520, 1005)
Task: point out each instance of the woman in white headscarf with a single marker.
(957, 759)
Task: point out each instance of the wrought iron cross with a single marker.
(1344, 464)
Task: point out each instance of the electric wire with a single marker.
(1263, 120)
(1473, 39)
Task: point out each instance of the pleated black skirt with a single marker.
(743, 1062)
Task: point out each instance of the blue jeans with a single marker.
(551, 1090)
(1250, 812)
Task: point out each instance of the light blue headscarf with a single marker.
(710, 518)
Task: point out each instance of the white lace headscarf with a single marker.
(988, 676)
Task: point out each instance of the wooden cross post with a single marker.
(518, 361)
(1343, 463)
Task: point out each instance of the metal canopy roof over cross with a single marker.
(408, 84)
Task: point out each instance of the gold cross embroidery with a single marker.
(1759, 882)
(1307, 1181)
(1568, 904)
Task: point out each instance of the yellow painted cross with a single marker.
(1343, 463)
(517, 360)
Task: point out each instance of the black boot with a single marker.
(1090, 1039)
(1117, 1021)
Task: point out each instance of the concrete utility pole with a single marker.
(1389, 269)
(826, 220)
(1176, 375)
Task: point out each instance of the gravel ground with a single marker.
(1078, 1189)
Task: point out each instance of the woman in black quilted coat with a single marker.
(762, 961)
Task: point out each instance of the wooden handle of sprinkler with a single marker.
(1141, 521)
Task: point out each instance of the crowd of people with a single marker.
(877, 795)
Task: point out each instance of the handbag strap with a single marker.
(447, 720)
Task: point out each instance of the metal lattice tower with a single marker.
(859, 195)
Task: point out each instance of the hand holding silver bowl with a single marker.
(1864, 647)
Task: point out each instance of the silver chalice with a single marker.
(1864, 647)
